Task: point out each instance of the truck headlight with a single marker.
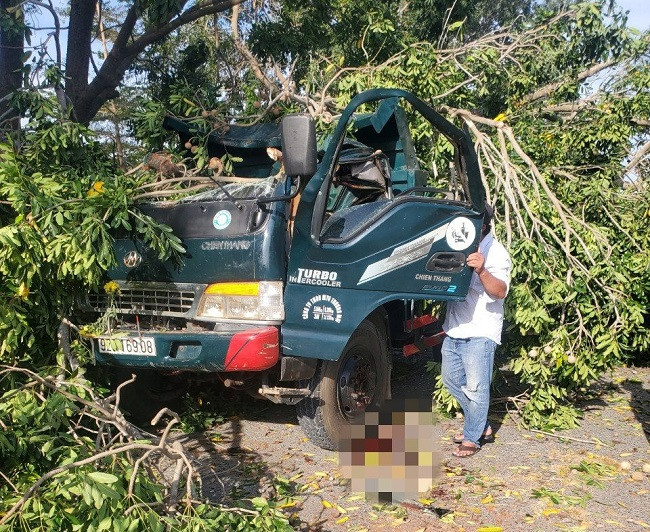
(258, 301)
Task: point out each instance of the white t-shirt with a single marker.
(480, 315)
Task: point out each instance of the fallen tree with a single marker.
(64, 442)
(558, 107)
(564, 154)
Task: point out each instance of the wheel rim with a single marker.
(356, 384)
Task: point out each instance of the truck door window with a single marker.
(361, 179)
(411, 156)
(361, 176)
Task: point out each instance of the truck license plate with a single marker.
(128, 346)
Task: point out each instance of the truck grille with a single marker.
(160, 301)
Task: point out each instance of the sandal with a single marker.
(485, 438)
(470, 450)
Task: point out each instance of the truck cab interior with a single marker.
(376, 165)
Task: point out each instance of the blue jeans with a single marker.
(466, 373)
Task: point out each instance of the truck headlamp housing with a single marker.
(249, 301)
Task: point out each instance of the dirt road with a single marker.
(588, 478)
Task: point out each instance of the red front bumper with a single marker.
(253, 350)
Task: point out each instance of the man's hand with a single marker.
(495, 288)
(476, 260)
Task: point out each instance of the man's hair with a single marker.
(488, 214)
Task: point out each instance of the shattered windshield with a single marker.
(242, 188)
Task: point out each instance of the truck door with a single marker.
(358, 246)
(411, 244)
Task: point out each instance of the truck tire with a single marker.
(342, 390)
(151, 392)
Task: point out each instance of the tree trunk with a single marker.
(87, 98)
(11, 63)
(82, 13)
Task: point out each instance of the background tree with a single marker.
(557, 107)
(363, 31)
(12, 33)
(559, 110)
(143, 23)
(556, 102)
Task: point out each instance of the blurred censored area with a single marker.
(390, 455)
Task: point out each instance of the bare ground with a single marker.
(588, 478)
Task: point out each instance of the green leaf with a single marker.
(259, 502)
(102, 478)
(105, 524)
(108, 492)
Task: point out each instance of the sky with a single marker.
(639, 16)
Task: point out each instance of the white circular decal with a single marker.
(222, 219)
(323, 308)
(460, 233)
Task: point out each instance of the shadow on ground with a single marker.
(640, 403)
(231, 472)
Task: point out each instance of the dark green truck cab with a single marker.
(305, 310)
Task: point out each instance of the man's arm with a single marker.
(495, 288)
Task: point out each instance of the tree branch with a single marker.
(126, 30)
(313, 106)
(99, 410)
(201, 9)
(638, 157)
(641, 122)
(78, 463)
(547, 90)
(57, 28)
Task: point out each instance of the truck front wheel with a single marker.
(342, 390)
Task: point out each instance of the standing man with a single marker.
(473, 328)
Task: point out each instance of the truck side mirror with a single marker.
(299, 146)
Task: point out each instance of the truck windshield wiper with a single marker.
(229, 196)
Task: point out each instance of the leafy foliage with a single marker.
(68, 454)
(52, 436)
(563, 158)
(362, 32)
(566, 88)
(575, 230)
(65, 199)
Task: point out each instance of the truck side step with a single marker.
(419, 322)
(423, 343)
